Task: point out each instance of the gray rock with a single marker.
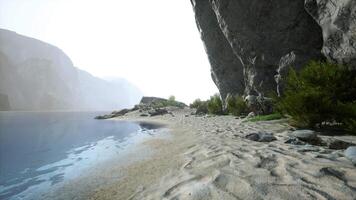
(350, 153)
(249, 42)
(158, 111)
(294, 141)
(337, 20)
(261, 137)
(338, 144)
(307, 136)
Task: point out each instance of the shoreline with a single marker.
(208, 157)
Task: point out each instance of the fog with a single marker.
(37, 76)
(153, 44)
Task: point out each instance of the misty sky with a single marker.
(154, 44)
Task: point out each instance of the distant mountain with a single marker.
(38, 76)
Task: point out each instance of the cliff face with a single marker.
(37, 76)
(337, 18)
(251, 44)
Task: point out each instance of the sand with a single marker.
(209, 158)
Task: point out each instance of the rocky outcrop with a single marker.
(337, 18)
(251, 44)
(38, 76)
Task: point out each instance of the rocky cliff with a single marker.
(38, 76)
(251, 44)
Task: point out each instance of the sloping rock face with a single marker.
(251, 43)
(337, 18)
(35, 75)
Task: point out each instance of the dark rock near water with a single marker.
(115, 114)
(350, 153)
(261, 137)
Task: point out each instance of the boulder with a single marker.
(307, 136)
(350, 153)
(261, 137)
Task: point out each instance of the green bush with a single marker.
(236, 105)
(321, 94)
(201, 106)
(215, 105)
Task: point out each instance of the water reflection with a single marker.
(39, 150)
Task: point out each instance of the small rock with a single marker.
(307, 136)
(250, 115)
(328, 171)
(350, 153)
(261, 137)
(307, 148)
(338, 144)
(294, 141)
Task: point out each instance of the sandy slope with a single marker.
(209, 158)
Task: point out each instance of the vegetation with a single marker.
(215, 105)
(273, 116)
(201, 106)
(236, 105)
(170, 102)
(322, 94)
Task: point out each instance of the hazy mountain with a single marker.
(38, 76)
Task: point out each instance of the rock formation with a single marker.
(251, 44)
(38, 76)
(337, 18)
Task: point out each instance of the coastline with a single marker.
(208, 157)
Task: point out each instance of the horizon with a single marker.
(155, 62)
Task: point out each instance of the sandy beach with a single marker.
(208, 157)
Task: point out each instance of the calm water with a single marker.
(41, 149)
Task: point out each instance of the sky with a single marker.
(154, 44)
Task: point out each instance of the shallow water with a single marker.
(41, 149)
